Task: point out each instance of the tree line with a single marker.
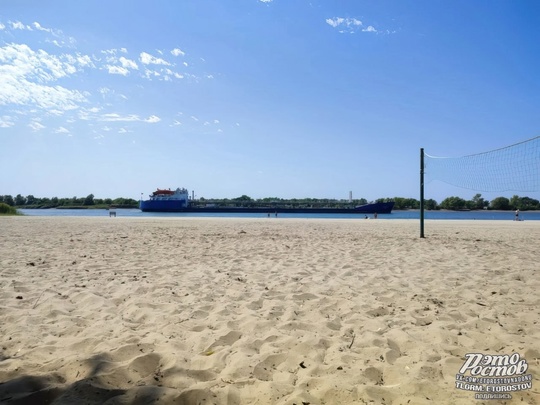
(89, 201)
(400, 203)
(476, 203)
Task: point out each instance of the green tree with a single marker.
(453, 203)
(500, 203)
(478, 203)
(523, 203)
(430, 204)
(30, 200)
(243, 198)
(9, 200)
(20, 200)
(89, 200)
(515, 202)
(528, 203)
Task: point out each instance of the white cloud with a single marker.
(17, 25)
(152, 119)
(176, 123)
(38, 27)
(61, 130)
(82, 61)
(348, 25)
(117, 70)
(43, 79)
(266, 1)
(337, 21)
(22, 92)
(118, 117)
(36, 126)
(24, 72)
(149, 74)
(194, 118)
(148, 59)
(178, 52)
(6, 122)
(334, 22)
(112, 51)
(128, 63)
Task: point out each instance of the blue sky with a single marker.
(274, 98)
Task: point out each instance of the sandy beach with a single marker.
(262, 311)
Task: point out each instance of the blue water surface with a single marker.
(397, 214)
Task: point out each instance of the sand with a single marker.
(262, 310)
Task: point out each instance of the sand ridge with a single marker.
(261, 310)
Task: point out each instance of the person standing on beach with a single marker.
(517, 215)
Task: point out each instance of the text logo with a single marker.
(493, 376)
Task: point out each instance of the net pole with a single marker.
(421, 192)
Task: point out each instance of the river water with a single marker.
(397, 214)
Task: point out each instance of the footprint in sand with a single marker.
(144, 365)
(227, 340)
(265, 369)
(374, 375)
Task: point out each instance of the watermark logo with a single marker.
(493, 376)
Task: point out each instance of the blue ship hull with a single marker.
(376, 208)
(162, 205)
(179, 206)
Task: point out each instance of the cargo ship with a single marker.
(163, 200)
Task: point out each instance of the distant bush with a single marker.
(7, 210)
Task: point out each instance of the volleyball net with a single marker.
(512, 168)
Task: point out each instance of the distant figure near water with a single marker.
(112, 212)
(517, 215)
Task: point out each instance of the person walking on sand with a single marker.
(517, 215)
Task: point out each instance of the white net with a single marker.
(512, 168)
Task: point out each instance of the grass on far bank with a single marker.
(8, 210)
